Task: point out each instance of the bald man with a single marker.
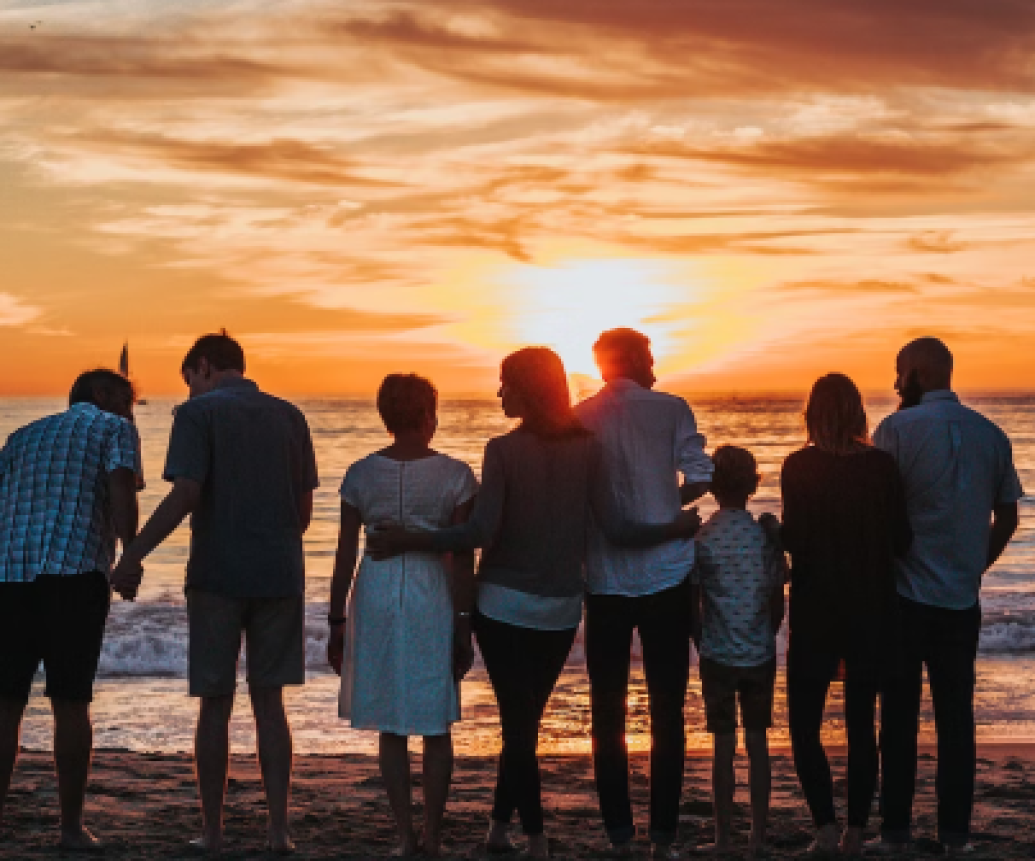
(962, 493)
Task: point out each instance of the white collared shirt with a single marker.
(649, 438)
(956, 467)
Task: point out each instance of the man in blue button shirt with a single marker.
(962, 495)
(241, 464)
(67, 495)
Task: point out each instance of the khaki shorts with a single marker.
(723, 686)
(274, 633)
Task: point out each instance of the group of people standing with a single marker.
(581, 518)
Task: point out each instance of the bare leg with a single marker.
(438, 772)
(394, 759)
(212, 761)
(73, 749)
(10, 733)
(273, 735)
(760, 780)
(723, 786)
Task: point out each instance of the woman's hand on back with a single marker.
(386, 542)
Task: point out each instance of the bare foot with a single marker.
(207, 845)
(852, 842)
(538, 846)
(281, 845)
(408, 848)
(715, 849)
(80, 840)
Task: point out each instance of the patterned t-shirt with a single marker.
(55, 515)
(737, 570)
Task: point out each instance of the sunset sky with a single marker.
(770, 190)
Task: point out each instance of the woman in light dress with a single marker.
(539, 484)
(403, 641)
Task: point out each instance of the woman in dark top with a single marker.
(540, 482)
(844, 522)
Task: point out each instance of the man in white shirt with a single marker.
(962, 494)
(649, 438)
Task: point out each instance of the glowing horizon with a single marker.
(427, 186)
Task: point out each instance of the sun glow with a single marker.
(566, 307)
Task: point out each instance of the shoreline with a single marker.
(145, 805)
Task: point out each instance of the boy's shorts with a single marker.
(723, 685)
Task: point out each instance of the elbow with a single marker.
(1007, 519)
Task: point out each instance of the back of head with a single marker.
(835, 417)
(736, 473)
(406, 402)
(622, 353)
(930, 361)
(104, 389)
(219, 350)
(538, 374)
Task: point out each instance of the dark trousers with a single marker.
(663, 623)
(523, 666)
(946, 641)
(808, 681)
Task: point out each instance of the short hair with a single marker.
(221, 352)
(931, 354)
(405, 401)
(835, 417)
(89, 383)
(619, 344)
(736, 472)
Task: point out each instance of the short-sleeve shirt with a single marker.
(55, 511)
(253, 456)
(418, 494)
(649, 438)
(956, 467)
(738, 571)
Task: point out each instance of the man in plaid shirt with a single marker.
(67, 493)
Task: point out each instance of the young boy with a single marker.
(738, 590)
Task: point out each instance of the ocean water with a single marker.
(142, 700)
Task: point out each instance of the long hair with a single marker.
(835, 417)
(538, 374)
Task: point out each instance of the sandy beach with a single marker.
(145, 806)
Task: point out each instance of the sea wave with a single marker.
(149, 639)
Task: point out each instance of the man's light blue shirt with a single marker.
(649, 438)
(957, 466)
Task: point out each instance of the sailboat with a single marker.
(124, 368)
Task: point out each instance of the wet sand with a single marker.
(145, 806)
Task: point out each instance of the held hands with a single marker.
(687, 523)
(770, 524)
(125, 579)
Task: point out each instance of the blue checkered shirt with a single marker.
(55, 517)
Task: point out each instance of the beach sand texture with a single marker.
(145, 806)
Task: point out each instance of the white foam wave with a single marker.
(149, 639)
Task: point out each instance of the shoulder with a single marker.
(801, 458)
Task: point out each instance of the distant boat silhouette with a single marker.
(124, 368)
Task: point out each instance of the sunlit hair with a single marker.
(835, 417)
(538, 375)
(406, 401)
(616, 348)
(736, 472)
